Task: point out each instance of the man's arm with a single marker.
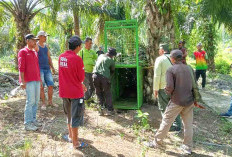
(50, 62)
(170, 82)
(112, 67)
(21, 67)
(22, 84)
(157, 77)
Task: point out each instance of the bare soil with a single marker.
(112, 136)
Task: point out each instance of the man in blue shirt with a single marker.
(45, 63)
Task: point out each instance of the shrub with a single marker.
(222, 66)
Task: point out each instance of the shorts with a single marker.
(74, 110)
(46, 77)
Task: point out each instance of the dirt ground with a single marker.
(112, 136)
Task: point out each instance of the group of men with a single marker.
(81, 72)
(173, 84)
(35, 64)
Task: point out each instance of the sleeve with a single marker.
(170, 82)
(81, 70)
(157, 74)
(112, 66)
(21, 61)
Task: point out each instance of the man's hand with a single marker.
(53, 71)
(84, 88)
(156, 93)
(23, 85)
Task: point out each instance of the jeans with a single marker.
(46, 77)
(230, 109)
(33, 95)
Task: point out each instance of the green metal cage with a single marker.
(127, 82)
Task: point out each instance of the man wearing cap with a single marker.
(71, 89)
(45, 63)
(29, 78)
(104, 67)
(89, 58)
(201, 64)
(183, 50)
(162, 63)
(179, 86)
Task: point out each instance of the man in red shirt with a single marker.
(29, 78)
(71, 88)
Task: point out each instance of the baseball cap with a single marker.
(75, 40)
(42, 33)
(176, 54)
(112, 51)
(199, 44)
(30, 36)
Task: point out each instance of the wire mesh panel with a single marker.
(122, 36)
(127, 81)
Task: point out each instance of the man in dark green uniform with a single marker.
(104, 67)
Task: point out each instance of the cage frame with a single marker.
(129, 24)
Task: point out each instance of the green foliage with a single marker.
(143, 119)
(226, 127)
(221, 65)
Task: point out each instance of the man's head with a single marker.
(42, 36)
(100, 48)
(163, 48)
(181, 44)
(111, 52)
(176, 56)
(31, 40)
(74, 43)
(199, 46)
(88, 43)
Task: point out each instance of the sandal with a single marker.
(82, 145)
(66, 138)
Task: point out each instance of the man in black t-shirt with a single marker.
(99, 52)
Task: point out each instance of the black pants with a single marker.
(201, 73)
(102, 86)
(88, 82)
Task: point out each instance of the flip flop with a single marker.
(66, 138)
(82, 145)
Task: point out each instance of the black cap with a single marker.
(176, 54)
(75, 40)
(112, 51)
(31, 36)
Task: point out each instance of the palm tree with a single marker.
(23, 12)
(160, 25)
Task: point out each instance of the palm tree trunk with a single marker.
(159, 26)
(22, 30)
(100, 33)
(76, 22)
